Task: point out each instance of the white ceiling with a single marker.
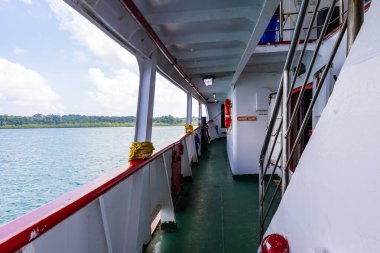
(214, 37)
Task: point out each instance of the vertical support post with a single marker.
(200, 147)
(281, 18)
(355, 21)
(285, 124)
(189, 108)
(199, 111)
(105, 223)
(167, 210)
(261, 197)
(204, 135)
(341, 11)
(144, 117)
(143, 132)
(136, 228)
(185, 160)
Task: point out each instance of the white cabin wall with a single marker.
(331, 202)
(245, 138)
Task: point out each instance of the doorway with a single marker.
(300, 115)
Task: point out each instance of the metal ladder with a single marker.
(352, 19)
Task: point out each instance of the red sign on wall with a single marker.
(247, 118)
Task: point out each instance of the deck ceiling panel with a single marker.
(210, 37)
(187, 16)
(205, 27)
(196, 48)
(206, 37)
(165, 6)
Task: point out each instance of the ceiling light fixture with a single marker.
(208, 80)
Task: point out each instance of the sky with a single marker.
(54, 61)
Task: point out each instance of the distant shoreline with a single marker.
(82, 121)
(78, 125)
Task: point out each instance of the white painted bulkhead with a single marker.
(331, 202)
(245, 138)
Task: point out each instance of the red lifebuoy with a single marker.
(227, 113)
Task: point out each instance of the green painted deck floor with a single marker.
(215, 213)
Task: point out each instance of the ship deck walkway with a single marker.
(215, 213)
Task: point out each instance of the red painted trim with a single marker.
(141, 20)
(309, 86)
(368, 5)
(17, 233)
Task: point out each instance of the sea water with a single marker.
(38, 165)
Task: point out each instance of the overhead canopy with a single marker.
(205, 37)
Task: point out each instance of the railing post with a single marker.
(140, 202)
(355, 21)
(144, 117)
(189, 108)
(200, 147)
(341, 11)
(261, 196)
(281, 18)
(280, 99)
(204, 134)
(199, 111)
(285, 124)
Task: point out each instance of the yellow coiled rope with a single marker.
(141, 150)
(189, 129)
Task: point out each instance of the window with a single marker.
(195, 112)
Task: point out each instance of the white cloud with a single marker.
(117, 94)
(27, 89)
(18, 51)
(96, 41)
(23, 1)
(80, 56)
(169, 100)
(27, 1)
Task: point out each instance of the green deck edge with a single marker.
(214, 213)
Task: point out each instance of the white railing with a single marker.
(115, 213)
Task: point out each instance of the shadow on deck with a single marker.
(215, 213)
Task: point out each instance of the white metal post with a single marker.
(200, 111)
(144, 117)
(354, 21)
(143, 132)
(341, 11)
(285, 124)
(189, 108)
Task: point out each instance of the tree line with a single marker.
(74, 120)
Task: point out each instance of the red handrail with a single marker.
(23, 230)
